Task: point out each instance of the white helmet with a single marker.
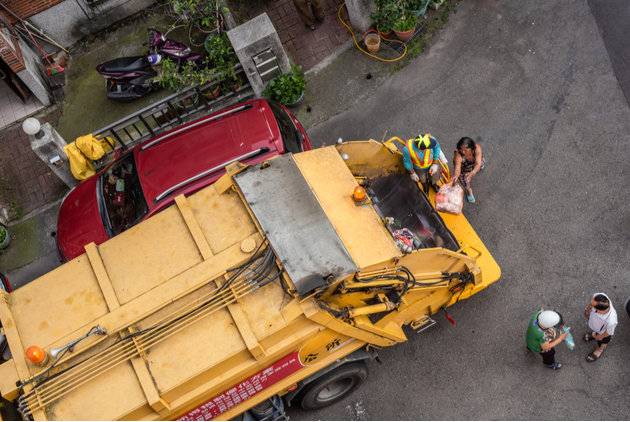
(548, 319)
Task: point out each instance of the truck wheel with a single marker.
(333, 386)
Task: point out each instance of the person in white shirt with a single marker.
(602, 319)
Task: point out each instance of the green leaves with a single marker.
(406, 23)
(194, 12)
(287, 88)
(220, 50)
(393, 14)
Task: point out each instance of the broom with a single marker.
(53, 68)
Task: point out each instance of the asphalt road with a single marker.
(537, 85)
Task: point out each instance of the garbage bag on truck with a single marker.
(82, 152)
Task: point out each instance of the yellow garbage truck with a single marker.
(272, 287)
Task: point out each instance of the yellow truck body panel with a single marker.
(195, 330)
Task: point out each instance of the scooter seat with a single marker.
(126, 64)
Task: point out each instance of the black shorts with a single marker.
(605, 340)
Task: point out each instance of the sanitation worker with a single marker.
(421, 158)
(602, 320)
(543, 334)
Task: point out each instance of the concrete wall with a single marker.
(71, 20)
(33, 76)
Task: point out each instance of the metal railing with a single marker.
(172, 110)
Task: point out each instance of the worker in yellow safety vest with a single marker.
(420, 157)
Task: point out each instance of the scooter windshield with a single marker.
(121, 201)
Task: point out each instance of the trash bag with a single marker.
(450, 199)
(82, 152)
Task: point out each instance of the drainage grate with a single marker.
(398, 47)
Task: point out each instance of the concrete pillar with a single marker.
(359, 13)
(49, 146)
(254, 37)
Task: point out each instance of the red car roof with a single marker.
(170, 159)
(201, 148)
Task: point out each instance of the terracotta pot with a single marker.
(406, 36)
(166, 116)
(214, 94)
(384, 34)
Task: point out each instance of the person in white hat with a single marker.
(602, 319)
(542, 336)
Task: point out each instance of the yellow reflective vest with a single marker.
(424, 161)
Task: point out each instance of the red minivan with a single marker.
(145, 179)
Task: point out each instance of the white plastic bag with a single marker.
(450, 199)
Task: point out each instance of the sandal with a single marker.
(471, 199)
(588, 337)
(554, 366)
(592, 357)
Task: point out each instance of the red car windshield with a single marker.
(122, 204)
(291, 136)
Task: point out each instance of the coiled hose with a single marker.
(357, 44)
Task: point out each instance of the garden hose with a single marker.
(371, 55)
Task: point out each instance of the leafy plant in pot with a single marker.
(385, 17)
(211, 20)
(207, 76)
(176, 79)
(220, 50)
(287, 88)
(5, 239)
(405, 26)
(418, 7)
(187, 11)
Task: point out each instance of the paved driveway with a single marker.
(534, 83)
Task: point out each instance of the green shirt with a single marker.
(535, 335)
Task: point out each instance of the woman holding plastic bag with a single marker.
(468, 162)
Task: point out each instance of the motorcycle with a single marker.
(128, 78)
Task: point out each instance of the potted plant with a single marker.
(418, 7)
(288, 88)
(187, 11)
(5, 239)
(405, 26)
(385, 17)
(220, 50)
(211, 20)
(212, 92)
(176, 79)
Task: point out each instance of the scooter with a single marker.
(169, 49)
(128, 78)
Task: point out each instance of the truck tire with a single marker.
(333, 386)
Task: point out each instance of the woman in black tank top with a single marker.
(468, 162)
